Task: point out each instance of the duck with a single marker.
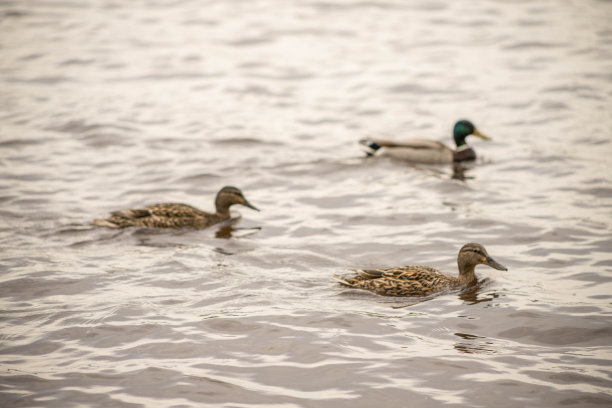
(176, 215)
(425, 151)
(417, 280)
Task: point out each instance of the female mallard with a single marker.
(416, 280)
(428, 151)
(174, 215)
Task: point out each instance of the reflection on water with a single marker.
(473, 344)
(107, 106)
(474, 294)
(227, 231)
(459, 172)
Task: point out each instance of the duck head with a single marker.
(473, 254)
(463, 129)
(228, 196)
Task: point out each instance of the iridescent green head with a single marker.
(463, 129)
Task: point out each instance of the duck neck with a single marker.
(222, 208)
(466, 272)
(459, 140)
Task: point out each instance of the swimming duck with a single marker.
(175, 215)
(417, 280)
(428, 151)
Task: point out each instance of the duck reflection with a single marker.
(473, 344)
(473, 295)
(228, 230)
(459, 171)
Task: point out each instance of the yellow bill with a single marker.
(480, 135)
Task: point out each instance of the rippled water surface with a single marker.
(107, 105)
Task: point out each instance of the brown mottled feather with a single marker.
(417, 280)
(165, 215)
(176, 215)
(411, 280)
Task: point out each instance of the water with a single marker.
(107, 105)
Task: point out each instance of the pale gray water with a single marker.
(106, 105)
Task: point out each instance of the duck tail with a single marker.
(104, 222)
(369, 146)
(341, 279)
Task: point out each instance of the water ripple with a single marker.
(115, 105)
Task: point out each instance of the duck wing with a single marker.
(166, 210)
(410, 280)
(422, 144)
(132, 213)
(414, 151)
(418, 144)
(409, 272)
(391, 282)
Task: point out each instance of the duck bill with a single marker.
(494, 264)
(480, 135)
(247, 204)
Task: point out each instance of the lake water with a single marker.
(108, 105)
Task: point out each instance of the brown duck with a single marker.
(175, 215)
(417, 280)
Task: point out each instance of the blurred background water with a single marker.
(107, 104)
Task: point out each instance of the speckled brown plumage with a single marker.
(176, 215)
(417, 280)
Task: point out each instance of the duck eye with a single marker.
(478, 251)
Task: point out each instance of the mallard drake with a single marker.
(175, 215)
(428, 151)
(417, 280)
